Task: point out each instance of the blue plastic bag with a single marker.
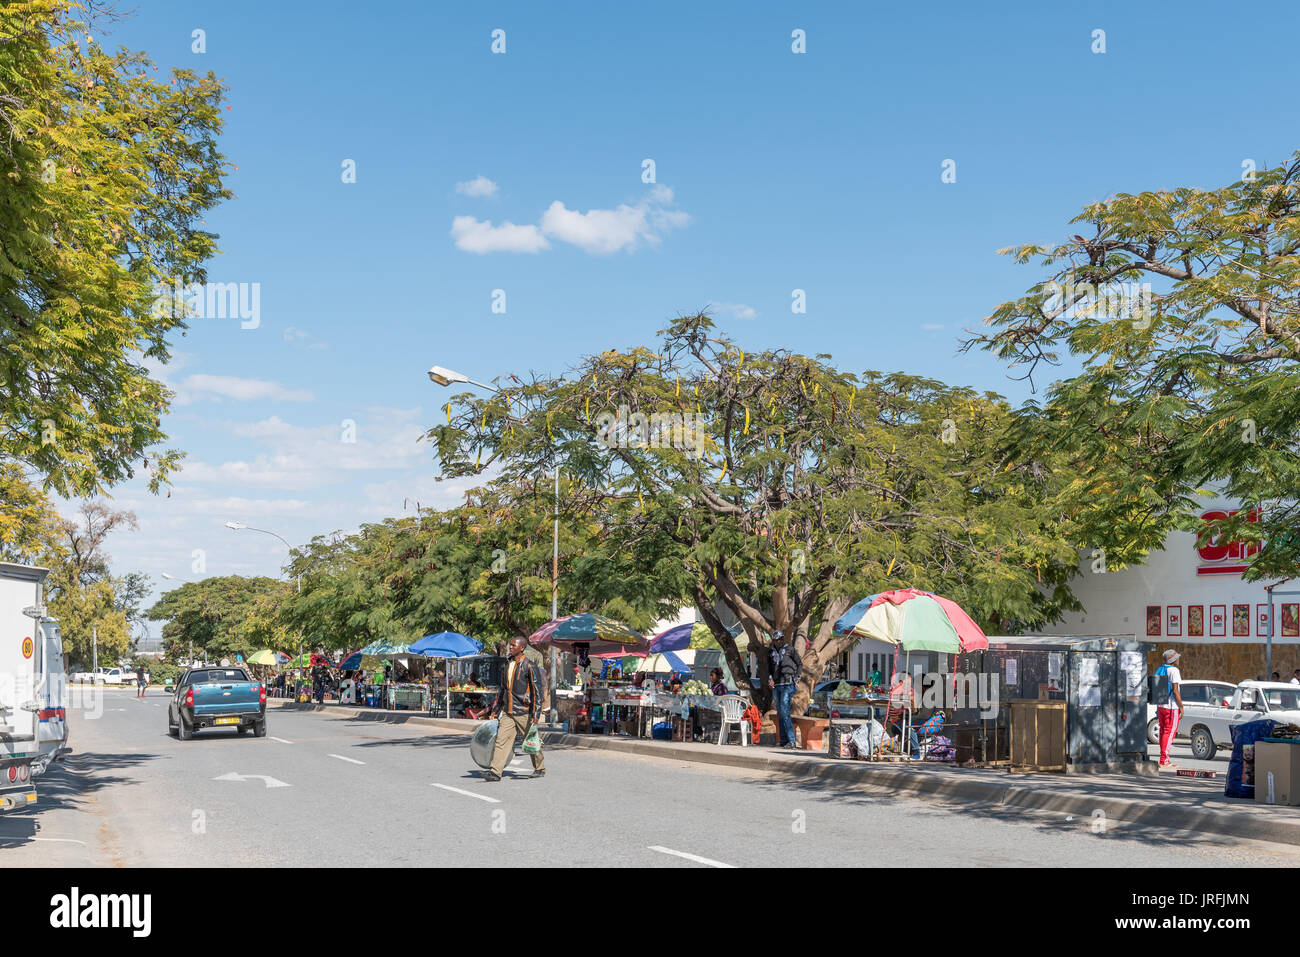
(1242, 735)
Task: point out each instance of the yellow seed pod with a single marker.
(447, 408)
(679, 387)
(746, 432)
(724, 472)
(852, 395)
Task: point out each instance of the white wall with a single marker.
(1174, 579)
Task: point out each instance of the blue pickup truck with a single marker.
(213, 697)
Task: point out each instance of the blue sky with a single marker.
(774, 170)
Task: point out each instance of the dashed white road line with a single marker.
(350, 760)
(281, 740)
(481, 797)
(690, 857)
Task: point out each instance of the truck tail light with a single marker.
(261, 693)
(13, 773)
(22, 772)
(189, 698)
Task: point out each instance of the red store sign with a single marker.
(1227, 558)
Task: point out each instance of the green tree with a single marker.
(779, 486)
(28, 522)
(93, 606)
(222, 617)
(108, 172)
(1178, 313)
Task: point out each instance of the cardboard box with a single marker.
(1277, 772)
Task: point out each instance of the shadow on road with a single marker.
(66, 786)
(847, 794)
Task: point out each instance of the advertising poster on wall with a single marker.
(1195, 621)
(1218, 621)
(1261, 621)
(1291, 620)
(1174, 621)
(1153, 620)
(1241, 621)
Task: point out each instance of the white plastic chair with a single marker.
(733, 706)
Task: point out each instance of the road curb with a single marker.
(946, 784)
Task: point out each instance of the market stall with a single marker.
(448, 645)
(914, 621)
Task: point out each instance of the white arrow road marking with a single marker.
(350, 760)
(690, 857)
(268, 781)
(281, 740)
(481, 797)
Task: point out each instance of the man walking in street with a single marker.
(783, 670)
(519, 707)
(1170, 711)
(139, 681)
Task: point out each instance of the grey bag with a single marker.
(481, 744)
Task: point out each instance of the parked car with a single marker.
(1202, 694)
(1208, 724)
(215, 698)
(109, 676)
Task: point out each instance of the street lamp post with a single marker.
(240, 525)
(445, 377)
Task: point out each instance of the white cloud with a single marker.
(605, 231)
(480, 185)
(305, 458)
(294, 334)
(737, 310)
(597, 231)
(481, 237)
(198, 387)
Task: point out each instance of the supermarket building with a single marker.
(1195, 601)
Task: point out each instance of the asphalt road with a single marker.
(334, 791)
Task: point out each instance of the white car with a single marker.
(1197, 697)
(109, 676)
(1209, 724)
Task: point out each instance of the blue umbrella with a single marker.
(446, 644)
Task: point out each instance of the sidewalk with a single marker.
(1166, 801)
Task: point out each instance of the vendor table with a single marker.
(408, 697)
(488, 695)
(640, 700)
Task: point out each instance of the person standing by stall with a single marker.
(519, 707)
(784, 667)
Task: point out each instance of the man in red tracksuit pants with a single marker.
(1169, 713)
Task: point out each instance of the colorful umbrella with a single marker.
(309, 660)
(386, 648)
(446, 644)
(267, 657)
(694, 635)
(665, 662)
(914, 620)
(359, 662)
(601, 633)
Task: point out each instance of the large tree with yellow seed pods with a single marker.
(107, 171)
(787, 488)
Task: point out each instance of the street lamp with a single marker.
(240, 525)
(445, 377)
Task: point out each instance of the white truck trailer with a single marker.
(33, 689)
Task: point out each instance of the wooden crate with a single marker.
(1037, 735)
